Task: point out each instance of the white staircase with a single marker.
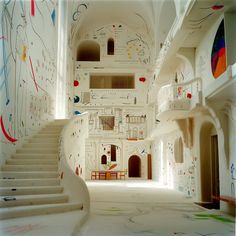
(29, 180)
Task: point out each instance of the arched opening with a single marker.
(88, 51)
(104, 160)
(110, 46)
(134, 166)
(209, 158)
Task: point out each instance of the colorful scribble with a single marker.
(11, 139)
(218, 55)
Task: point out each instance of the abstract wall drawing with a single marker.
(218, 54)
(27, 68)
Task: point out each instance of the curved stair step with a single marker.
(30, 167)
(28, 175)
(22, 211)
(35, 156)
(28, 182)
(41, 145)
(38, 150)
(25, 200)
(31, 161)
(9, 191)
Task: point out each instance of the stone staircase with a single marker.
(29, 180)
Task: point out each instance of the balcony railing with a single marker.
(181, 96)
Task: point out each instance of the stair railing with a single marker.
(72, 160)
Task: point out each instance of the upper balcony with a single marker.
(175, 101)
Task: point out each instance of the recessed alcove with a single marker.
(88, 51)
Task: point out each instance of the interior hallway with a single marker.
(146, 208)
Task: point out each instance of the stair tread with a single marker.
(34, 155)
(32, 190)
(23, 211)
(31, 207)
(31, 161)
(36, 196)
(33, 187)
(37, 199)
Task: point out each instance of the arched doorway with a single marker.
(134, 166)
(210, 183)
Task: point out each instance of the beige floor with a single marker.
(128, 208)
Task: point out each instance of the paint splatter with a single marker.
(32, 69)
(77, 112)
(53, 16)
(32, 8)
(76, 83)
(23, 56)
(76, 99)
(213, 216)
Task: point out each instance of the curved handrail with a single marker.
(72, 140)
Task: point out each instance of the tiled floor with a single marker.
(127, 208)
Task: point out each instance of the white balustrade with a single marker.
(179, 96)
(72, 160)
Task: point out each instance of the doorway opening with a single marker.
(134, 166)
(210, 182)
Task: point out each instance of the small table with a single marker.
(107, 175)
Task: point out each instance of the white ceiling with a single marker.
(141, 16)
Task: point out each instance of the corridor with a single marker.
(128, 208)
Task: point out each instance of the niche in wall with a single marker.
(105, 81)
(110, 46)
(88, 51)
(104, 160)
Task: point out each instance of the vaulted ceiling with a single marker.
(150, 17)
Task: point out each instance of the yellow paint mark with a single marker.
(23, 56)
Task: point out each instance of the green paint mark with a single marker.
(213, 216)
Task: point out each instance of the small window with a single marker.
(113, 152)
(107, 122)
(110, 46)
(104, 160)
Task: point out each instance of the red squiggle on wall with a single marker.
(32, 69)
(32, 7)
(11, 139)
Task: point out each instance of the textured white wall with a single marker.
(28, 52)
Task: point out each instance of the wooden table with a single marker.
(107, 175)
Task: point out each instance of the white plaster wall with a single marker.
(28, 52)
(180, 176)
(101, 97)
